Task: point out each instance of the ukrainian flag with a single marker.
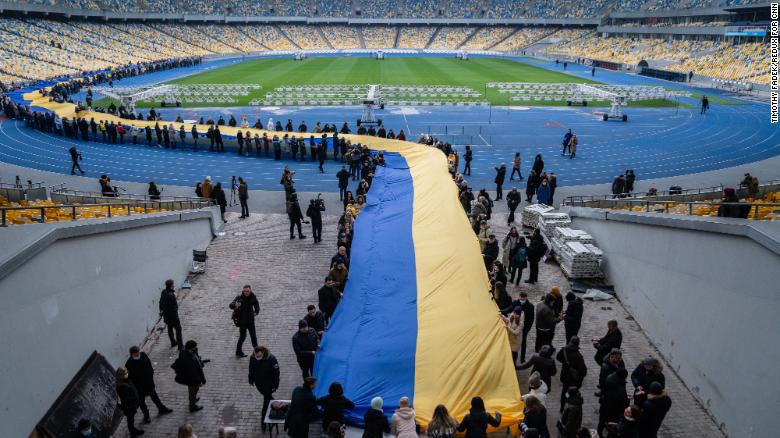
(416, 318)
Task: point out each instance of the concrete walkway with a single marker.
(286, 275)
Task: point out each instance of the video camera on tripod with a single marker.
(233, 191)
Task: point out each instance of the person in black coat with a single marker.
(530, 185)
(543, 363)
(612, 362)
(512, 202)
(245, 306)
(490, 253)
(627, 426)
(613, 400)
(334, 404)
(264, 375)
(314, 212)
(647, 372)
(129, 400)
(572, 318)
(475, 423)
(538, 165)
(139, 367)
(219, 197)
(329, 298)
(302, 410)
(315, 319)
(536, 416)
(189, 372)
(343, 177)
(528, 318)
(376, 424)
(654, 410)
(295, 215)
(169, 310)
(536, 249)
(573, 368)
(499, 180)
(305, 344)
(571, 414)
(613, 339)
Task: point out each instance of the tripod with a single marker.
(233, 192)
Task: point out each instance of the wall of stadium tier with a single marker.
(95, 288)
(704, 291)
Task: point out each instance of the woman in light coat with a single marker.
(403, 424)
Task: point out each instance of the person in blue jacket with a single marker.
(543, 193)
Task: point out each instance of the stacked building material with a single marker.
(532, 212)
(578, 260)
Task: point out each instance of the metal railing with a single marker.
(22, 185)
(662, 206)
(122, 196)
(716, 191)
(112, 209)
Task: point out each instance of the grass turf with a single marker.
(474, 73)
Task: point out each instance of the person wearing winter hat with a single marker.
(647, 372)
(557, 304)
(571, 419)
(189, 371)
(614, 399)
(654, 410)
(403, 424)
(572, 318)
(573, 368)
(305, 343)
(375, 420)
(537, 388)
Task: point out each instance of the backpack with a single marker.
(176, 366)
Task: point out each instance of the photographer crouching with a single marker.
(314, 212)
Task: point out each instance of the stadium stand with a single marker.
(306, 37)
(717, 59)
(393, 8)
(35, 212)
(342, 37)
(451, 37)
(379, 37)
(414, 37)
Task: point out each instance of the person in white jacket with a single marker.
(270, 125)
(539, 389)
(403, 424)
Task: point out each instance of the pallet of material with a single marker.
(566, 234)
(579, 260)
(532, 212)
(548, 222)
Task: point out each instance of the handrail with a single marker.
(22, 186)
(718, 190)
(667, 203)
(126, 206)
(121, 196)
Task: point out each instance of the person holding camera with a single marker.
(295, 215)
(75, 157)
(189, 371)
(245, 306)
(314, 212)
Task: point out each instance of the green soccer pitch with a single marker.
(271, 73)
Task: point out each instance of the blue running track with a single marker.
(657, 143)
